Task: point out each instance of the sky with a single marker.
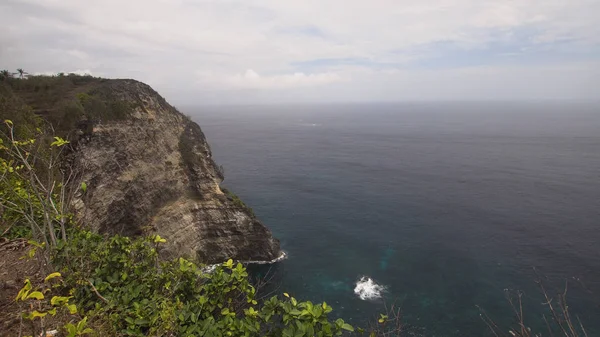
(283, 51)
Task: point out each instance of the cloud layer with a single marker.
(208, 51)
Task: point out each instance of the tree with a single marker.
(33, 188)
(21, 72)
(5, 74)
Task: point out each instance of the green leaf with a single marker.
(37, 244)
(228, 264)
(310, 330)
(22, 295)
(286, 294)
(82, 324)
(36, 313)
(51, 276)
(347, 327)
(71, 329)
(31, 253)
(72, 309)
(141, 321)
(36, 294)
(317, 311)
(58, 142)
(58, 300)
(158, 239)
(83, 186)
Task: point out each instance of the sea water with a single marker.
(438, 208)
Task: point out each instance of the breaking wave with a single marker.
(367, 289)
(211, 267)
(282, 256)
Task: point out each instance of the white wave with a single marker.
(211, 267)
(367, 289)
(281, 257)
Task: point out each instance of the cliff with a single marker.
(149, 169)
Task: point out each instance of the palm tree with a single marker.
(21, 72)
(5, 74)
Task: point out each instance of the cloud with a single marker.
(252, 80)
(187, 48)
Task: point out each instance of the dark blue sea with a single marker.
(446, 205)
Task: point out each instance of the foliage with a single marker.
(31, 202)
(46, 300)
(64, 101)
(5, 75)
(237, 201)
(26, 123)
(123, 281)
(98, 108)
(21, 73)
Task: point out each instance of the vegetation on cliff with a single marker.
(64, 102)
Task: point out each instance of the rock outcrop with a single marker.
(152, 172)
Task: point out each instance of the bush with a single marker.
(38, 302)
(33, 195)
(122, 281)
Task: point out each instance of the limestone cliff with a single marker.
(152, 172)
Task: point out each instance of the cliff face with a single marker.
(152, 172)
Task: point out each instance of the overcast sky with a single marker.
(250, 51)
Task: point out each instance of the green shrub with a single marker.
(32, 195)
(237, 201)
(122, 281)
(40, 301)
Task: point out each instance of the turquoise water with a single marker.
(445, 205)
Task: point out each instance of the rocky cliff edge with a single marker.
(152, 172)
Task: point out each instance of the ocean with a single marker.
(446, 206)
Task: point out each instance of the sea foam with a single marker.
(367, 289)
(282, 256)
